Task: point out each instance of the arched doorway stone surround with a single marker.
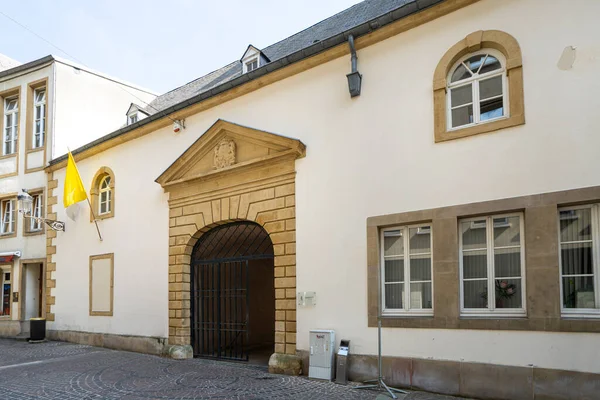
(233, 173)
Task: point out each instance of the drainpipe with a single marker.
(354, 77)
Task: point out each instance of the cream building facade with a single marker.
(47, 105)
(466, 163)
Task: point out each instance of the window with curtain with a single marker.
(7, 217)
(406, 270)
(11, 124)
(492, 262)
(578, 235)
(105, 193)
(39, 115)
(477, 90)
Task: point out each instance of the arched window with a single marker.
(105, 203)
(478, 86)
(102, 194)
(477, 89)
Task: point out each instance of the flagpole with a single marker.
(94, 216)
(86, 196)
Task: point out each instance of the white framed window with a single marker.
(11, 124)
(105, 193)
(37, 209)
(252, 64)
(492, 266)
(578, 260)
(406, 274)
(39, 117)
(477, 90)
(7, 217)
(133, 118)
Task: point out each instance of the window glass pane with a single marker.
(394, 270)
(420, 268)
(475, 264)
(461, 95)
(394, 294)
(575, 225)
(9, 120)
(490, 87)
(507, 262)
(460, 73)
(37, 126)
(420, 240)
(490, 109)
(578, 292)
(491, 63)
(474, 234)
(508, 293)
(475, 294)
(462, 116)
(577, 259)
(507, 232)
(393, 243)
(473, 63)
(420, 295)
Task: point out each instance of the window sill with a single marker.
(34, 233)
(407, 315)
(486, 127)
(6, 156)
(488, 315)
(8, 235)
(35, 150)
(103, 216)
(581, 315)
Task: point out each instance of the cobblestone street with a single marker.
(56, 370)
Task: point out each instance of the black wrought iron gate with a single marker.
(220, 288)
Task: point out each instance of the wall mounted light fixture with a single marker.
(26, 206)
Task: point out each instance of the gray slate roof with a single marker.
(332, 26)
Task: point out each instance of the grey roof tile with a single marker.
(318, 33)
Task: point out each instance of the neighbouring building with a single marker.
(455, 197)
(46, 105)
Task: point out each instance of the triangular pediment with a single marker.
(226, 147)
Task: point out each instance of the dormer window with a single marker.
(135, 113)
(252, 59)
(252, 65)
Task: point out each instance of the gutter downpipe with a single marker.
(354, 77)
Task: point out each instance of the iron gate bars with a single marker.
(220, 292)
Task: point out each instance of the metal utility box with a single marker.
(322, 353)
(341, 369)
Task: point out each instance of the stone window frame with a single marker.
(491, 39)
(111, 257)
(10, 197)
(541, 264)
(27, 221)
(95, 193)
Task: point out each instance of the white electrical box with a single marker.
(322, 353)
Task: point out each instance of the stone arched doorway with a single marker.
(234, 173)
(232, 293)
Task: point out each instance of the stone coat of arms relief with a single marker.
(224, 154)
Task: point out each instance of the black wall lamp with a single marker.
(354, 77)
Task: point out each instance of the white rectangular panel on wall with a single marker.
(35, 159)
(101, 285)
(8, 165)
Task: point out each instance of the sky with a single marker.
(155, 44)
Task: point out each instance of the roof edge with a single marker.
(30, 65)
(363, 29)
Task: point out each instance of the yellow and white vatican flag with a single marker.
(74, 192)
